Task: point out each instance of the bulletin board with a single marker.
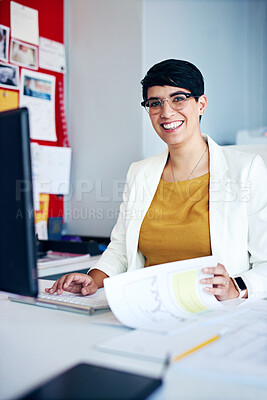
(51, 26)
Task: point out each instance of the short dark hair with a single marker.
(177, 73)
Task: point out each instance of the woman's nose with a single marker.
(166, 109)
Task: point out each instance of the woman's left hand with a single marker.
(223, 287)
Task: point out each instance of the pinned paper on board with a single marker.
(51, 169)
(37, 93)
(52, 55)
(41, 217)
(24, 23)
(8, 100)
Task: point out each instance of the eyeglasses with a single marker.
(176, 101)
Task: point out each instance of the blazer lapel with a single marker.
(219, 196)
(146, 186)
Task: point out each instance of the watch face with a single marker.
(240, 283)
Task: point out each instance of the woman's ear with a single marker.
(202, 101)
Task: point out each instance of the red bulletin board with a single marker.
(51, 26)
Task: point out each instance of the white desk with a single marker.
(37, 343)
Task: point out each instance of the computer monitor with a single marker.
(18, 271)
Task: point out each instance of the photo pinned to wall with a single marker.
(9, 76)
(23, 54)
(37, 93)
(4, 41)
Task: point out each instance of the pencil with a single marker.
(196, 348)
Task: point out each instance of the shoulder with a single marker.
(243, 161)
(236, 157)
(237, 162)
(140, 167)
(147, 162)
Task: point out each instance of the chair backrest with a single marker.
(260, 149)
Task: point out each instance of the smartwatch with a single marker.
(240, 286)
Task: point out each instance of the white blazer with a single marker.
(237, 215)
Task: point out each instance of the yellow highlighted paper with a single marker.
(185, 291)
(8, 100)
(42, 214)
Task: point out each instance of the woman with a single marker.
(193, 200)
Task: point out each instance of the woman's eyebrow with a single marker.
(153, 98)
(170, 95)
(175, 93)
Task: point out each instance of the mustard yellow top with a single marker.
(176, 225)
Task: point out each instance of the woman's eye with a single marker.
(154, 103)
(179, 98)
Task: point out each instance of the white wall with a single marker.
(256, 84)
(105, 120)
(227, 41)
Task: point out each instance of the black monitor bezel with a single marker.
(18, 263)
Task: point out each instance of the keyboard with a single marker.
(73, 302)
(66, 298)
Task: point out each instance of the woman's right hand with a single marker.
(74, 283)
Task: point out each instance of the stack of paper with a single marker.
(54, 259)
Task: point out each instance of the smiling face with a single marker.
(175, 127)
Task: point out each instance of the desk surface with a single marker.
(38, 343)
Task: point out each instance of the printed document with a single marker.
(159, 297)
(242, 351)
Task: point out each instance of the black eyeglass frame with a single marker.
(187, 95)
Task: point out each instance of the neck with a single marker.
(188, 160)
(186, 154)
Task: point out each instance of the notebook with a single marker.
(18, 261)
